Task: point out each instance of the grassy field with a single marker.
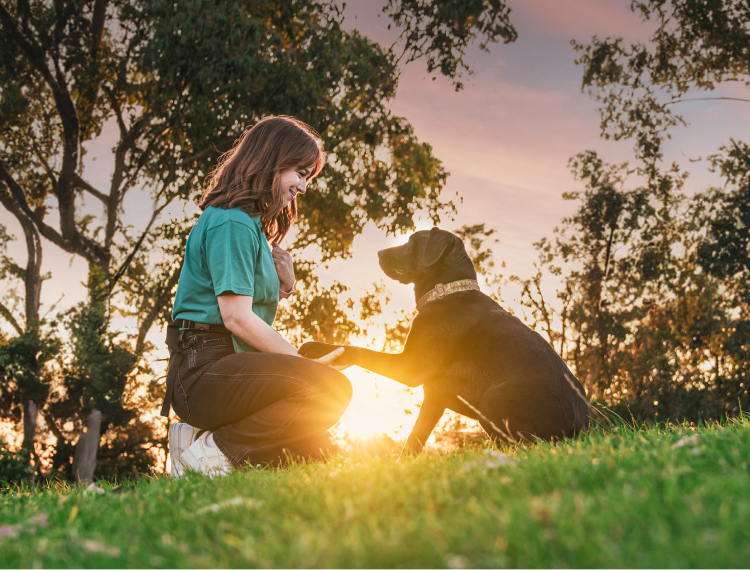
(668, 497)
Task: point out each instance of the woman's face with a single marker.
(293, 181)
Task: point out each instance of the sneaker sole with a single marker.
(180, 438)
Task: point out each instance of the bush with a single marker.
(14, 467)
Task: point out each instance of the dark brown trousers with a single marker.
(262, 408)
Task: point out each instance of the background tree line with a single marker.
(181, 81)
(652, 308)
(653, 311)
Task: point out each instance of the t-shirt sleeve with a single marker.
(231, 254)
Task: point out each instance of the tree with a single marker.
(646, 329)
(181, 81)
(653, 310)
(697, 44)
(24, 381)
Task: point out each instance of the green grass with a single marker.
(616, 499)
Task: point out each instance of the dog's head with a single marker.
(428, 258)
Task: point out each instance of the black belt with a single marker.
(174, 335)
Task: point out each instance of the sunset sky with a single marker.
(506, 139)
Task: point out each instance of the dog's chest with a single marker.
(456, 345)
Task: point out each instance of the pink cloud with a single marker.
(579, 19)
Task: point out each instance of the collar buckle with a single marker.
(440, 290)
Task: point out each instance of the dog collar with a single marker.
(440, 291)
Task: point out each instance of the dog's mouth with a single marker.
(386, 261)
(397, 274)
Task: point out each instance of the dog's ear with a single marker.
(439, 243)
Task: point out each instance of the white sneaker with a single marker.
(206, 459)
(180, 438)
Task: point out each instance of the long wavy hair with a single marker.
(247, 176)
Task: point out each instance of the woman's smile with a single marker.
(295, 180)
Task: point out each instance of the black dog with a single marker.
(468, 353)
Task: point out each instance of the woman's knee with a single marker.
(340, 388)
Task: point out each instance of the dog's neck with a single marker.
(447, 273)
(442, 290)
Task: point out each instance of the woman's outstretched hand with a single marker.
(329, 358)
(284, 267)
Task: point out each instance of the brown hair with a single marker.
(247, 176)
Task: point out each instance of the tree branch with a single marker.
(85, 247)
(44, 163)
(5, 312)
(124, 266)
(97, 26)
(204, 152)
(83, 185)
(53, 426)
(708, 99)
(606, 265)
(156, 308)
(32, 278)
(69, 238)
(118, 112)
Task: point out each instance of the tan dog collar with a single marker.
(440, 291)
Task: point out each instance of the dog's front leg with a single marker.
(398, 367)
(429, 415)
(402, 368)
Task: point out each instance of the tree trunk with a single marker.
(84, 462)
(30, 415)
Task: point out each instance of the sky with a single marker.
(506, 140)
(507, 137)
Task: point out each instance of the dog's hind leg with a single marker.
(521, 412)
(507, 414)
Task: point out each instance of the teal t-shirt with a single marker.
(226, 251)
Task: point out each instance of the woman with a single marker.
(242, 389)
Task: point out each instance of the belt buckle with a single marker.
(440, 289)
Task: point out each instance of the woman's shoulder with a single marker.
(214, 217)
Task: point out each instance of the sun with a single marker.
(379, 405)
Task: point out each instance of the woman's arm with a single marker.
(237, 314)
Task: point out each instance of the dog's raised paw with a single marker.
(316, 349)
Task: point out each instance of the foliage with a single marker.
(653, 313)
(696, 45)
(442, 31)
(23, 375)
(178, 82)
(645, 327)
(94, 376)
(672, 496)
(725, 253)
(14, 467)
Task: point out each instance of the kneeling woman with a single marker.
(245, 394)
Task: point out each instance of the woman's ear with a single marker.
(438, 244)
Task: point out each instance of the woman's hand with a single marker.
(284, 267)
(331, 356)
